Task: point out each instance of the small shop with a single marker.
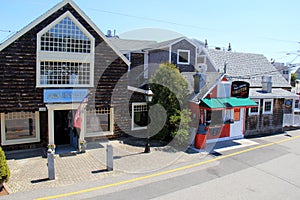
(220, 113)
(224, 117)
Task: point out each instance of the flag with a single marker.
(78, 114)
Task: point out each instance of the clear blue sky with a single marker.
(268, 27)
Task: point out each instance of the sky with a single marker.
(266, 27)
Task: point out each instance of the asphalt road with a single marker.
(267, 171)
(272, 172)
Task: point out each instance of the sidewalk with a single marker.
(32, 173)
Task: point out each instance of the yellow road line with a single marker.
(167, 171)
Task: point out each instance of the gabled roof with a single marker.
(169, 43)
(248, 67)
(50, 12)
(126, 46)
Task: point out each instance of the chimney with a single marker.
(266, 83)
(199, 81)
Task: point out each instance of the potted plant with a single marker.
(52, 147)
(82, 146)
(4, 170)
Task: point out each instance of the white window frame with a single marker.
(65, 56)
(37, 138)
(258, 107)
(178, 56)
(294, 105)
(132, 118)
(264, 102)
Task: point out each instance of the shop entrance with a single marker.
(64, 133)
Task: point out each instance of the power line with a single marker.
(6, 31)
(183, 25)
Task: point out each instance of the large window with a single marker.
(66, 37)
(268, 106)
(64, 73)
(183, 57)
(139, 116)
(99, 122)
(65, 54)
(19, 127)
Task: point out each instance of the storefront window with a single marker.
(214, 117)
(19, 127)
(98, 122)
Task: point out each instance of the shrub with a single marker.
(4, 170)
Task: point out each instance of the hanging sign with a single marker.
(240, 89)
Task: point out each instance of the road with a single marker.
(269, 170)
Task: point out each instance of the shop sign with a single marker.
(64, 95)
(240, 89)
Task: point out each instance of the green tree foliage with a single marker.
(4, 170)
(293, 79)
(171, 91)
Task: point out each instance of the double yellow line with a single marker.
(167, 171)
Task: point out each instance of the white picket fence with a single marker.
(291, 120)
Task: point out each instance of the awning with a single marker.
(226, 103)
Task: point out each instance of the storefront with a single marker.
(60, 64)
(224, 117)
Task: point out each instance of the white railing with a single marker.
(291, 120)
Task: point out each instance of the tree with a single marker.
(171, 91)
(4, 170)
(293, 79)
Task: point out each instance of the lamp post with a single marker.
(149, 96)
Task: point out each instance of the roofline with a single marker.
(51, 11)
(169, 45)
(183, 38)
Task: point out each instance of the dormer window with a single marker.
(65, 54)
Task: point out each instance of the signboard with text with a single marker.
(240, 89)
(64, 95)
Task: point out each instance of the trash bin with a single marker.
(200, 139)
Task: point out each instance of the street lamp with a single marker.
(149, 96)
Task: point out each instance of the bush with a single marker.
(4, 170)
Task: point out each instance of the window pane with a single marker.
(297, 104)
(64, 73)
(67, 37)
(98, 121)
(268, 106)
(140, 116)
(183, 57)
(20, 125)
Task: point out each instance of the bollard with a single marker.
(51, 171)
(109, 158)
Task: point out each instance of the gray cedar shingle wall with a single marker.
(184, 45)
(18, 90)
